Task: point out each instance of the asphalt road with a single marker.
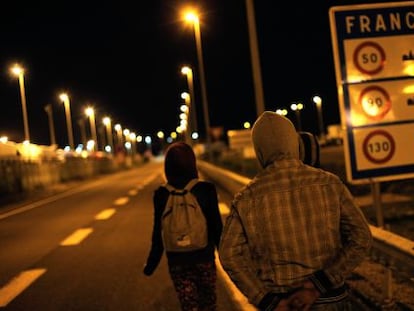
(84, 249)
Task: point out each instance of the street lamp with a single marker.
(19, 72)
(318, 102)
(187, 108)
(297, 108)
(118, 129)
(65, 98)
(282, 111)
(193, 18)
(48, 109)
(190, 81)
(107, 122)
(91, 114)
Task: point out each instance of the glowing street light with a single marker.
(192, 17)
(297, 108)
(118, 129)
(91, 114)
(318, 102)
(65, 98)
(19, 72)
(187, 108)
(282, 111)
(107, 122)
(190, 81)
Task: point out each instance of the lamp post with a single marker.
(190, 81)
(107, 122)
(186, 109)
(91, 114)
(255, 58)
(318, 102)
(297, 108)
(48, 109)
(65, 98)
(120, 141)
(19, 72)
(81, 123)
(193, 18)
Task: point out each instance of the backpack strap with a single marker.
(188, 187)
(191, 184)
(169, 187)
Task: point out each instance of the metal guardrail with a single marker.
(391, 250)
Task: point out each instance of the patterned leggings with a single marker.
(195, 286)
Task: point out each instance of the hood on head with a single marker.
(274, 138)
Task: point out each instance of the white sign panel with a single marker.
(373, 48)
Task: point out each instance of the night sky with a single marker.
(124, 59)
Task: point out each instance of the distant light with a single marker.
(246, 125)
(160, 134)
(148, 140)
(64, 97)
(108, 148)
(127, 145)
(90, 145)
(4, 139)
(191, 17)
(194, 135)
(66, 149)
(282, 112)
(79, 148)
(139, 138)
(170, 139)
(17, 70)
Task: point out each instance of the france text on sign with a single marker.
(374, 66)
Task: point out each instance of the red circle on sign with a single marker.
(387, 104)
(391, 151)
(380, 51)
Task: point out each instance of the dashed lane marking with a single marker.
(105, 214)
(18, 285)
(121, 201)
(76, 237)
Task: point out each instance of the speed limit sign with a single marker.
(374, 67)
(379, 146)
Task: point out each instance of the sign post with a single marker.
(373, 47)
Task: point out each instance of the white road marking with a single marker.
(76, 237)
(236, 295)
(18, 285)
(105, 214)
(121, 201)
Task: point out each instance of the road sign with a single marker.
(374, 66)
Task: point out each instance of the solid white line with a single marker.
(18, 285)
(105, 214)
(237, 296)
(76, 237)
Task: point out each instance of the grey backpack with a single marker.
(184, 226)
